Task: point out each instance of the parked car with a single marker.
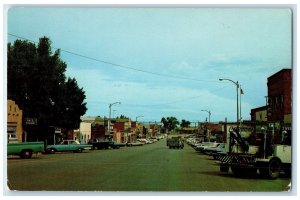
(144, 140)
(101, 144)
(25, 149)
(68, 145)
(137, 143)
(205, 146)
(219, 148)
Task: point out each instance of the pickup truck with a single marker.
(175, 143)
(102, 144)
(25, 149)
(68, 145)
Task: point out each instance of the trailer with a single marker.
(268, 159)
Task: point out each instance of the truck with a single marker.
(105, 144)
(264, 156)
(25, 149)
(175, 143)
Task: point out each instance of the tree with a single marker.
(123, 117)
(185, 123)
(169, 123)
(36, 81)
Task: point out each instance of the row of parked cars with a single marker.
(214, 149)
(26, 149)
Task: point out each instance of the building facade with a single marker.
(14, 122)
(259, 114)
(280, 97)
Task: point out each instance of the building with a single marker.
(123, 131)
(276, 117)
(259, 114)
(279, 97)
(14, 122)
(83, 134)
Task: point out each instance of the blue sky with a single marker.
(200, 44)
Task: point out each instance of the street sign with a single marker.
(31, 121)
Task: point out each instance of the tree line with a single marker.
(171, 123)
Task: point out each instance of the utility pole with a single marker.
(109, 117)
(207, 129)
(237, 98)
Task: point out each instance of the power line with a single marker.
(119, 65)
(163, 104)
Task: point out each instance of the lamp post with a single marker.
(237, 97)
(208, 133)
(136, 118)
(209, 113)
(113, 116)
(110, 105)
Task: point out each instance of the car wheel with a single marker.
(274, 168)
(79, 150)
(52, 151)
(25, 154)
(224, 168)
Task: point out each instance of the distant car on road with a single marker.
(175, 143)
(68, 145)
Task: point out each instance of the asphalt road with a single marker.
(151, 167)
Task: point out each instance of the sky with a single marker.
(160, 62)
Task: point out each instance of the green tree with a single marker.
(123, 117)
(169, 123)
(185, 123)
(36, 81)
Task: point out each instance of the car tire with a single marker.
(79, 150)
(25, 154)
(52, 151)
(274, 168)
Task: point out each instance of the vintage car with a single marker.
(68, 145)
(25, 149)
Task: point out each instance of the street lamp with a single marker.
(136, 118)
(237, 97)
(110, 105)
(208, 133)
(208, 114)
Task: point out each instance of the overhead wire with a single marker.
(135, 69)
(163, 104)
(119, 65)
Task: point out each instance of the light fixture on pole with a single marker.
(208, 133)
(209, 113)
(110, 105)
(237, 97)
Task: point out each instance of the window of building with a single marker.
(260, 116)
(281, 102)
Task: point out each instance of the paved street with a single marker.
(151, 167)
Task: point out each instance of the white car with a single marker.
(207, 145)
(215, 149)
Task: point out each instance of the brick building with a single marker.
(279, 97)
(259, 114)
